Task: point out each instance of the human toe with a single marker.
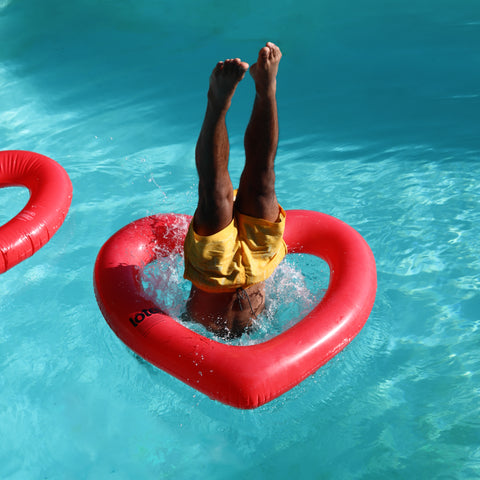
(274, 50)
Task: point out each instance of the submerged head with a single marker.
(227, 314)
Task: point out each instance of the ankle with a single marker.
(217, 106)
(266, 92)
(266, 96)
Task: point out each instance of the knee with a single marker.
(258, 182)
(214, 211)
(215, 197)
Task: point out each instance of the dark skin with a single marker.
(230, 313)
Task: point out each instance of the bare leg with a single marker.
(256, 193)
(215, 193)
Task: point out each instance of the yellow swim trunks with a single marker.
(244, 253)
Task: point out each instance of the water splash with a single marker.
(296, 286)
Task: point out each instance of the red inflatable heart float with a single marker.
(241, 376)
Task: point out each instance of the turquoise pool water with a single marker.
(379, 107)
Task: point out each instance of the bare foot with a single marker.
(264, 72)
(224, 80)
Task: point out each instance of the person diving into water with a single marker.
(235, 240)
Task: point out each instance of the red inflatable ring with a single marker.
(50, 198)
(240, 376)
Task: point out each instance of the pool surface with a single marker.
(379, 126)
